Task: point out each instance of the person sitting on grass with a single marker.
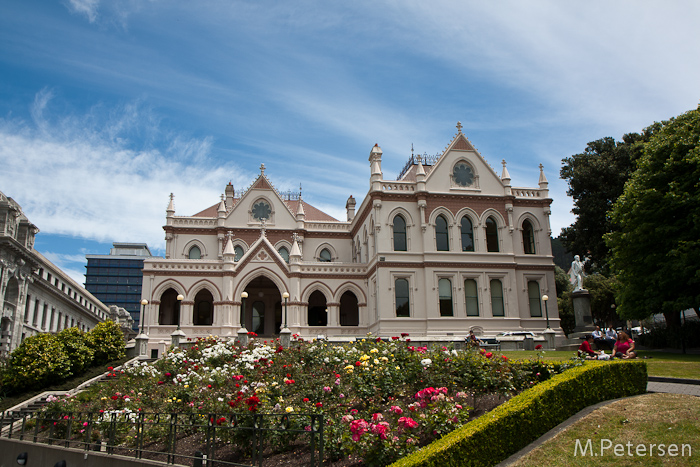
(624, 347)
(585, 349)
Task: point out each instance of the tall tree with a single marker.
(596, 179)
(656, 251)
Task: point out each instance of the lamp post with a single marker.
(178, 335)
(285, 296)
(142, 339)
(546, 309)
(242, 331)
(144, 302)
(549, 334)
(285, 333)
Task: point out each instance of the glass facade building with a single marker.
(115, 279)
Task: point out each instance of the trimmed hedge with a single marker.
(513, 425)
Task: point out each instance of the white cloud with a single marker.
(79, 176)
(85, 7)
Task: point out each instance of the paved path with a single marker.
(674, 388)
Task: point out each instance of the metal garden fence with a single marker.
(196, 439)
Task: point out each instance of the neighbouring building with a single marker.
(35, 295)
(448, 247)
(115, 279)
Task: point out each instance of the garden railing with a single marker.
(193, 438)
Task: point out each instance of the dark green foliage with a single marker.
(596, 179)
(656, 251)
(562, 257)
(564, 304)
(602, 290)
(38, 362)
(664, 337)
(508, 428)
(75, 344)
(107, 340)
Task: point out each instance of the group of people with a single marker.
(622, 345)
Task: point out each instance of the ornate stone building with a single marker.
(35, 295)
(448, 247)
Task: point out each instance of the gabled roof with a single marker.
(312, 213)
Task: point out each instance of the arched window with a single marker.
(238, 253)
(445, 289)
(169, 308)
(195, 253)
(497, 308)
(403, 308)
(399, 234)
(467, 234)
(284, 253)
(491, 235)
(325, 256)
(528, 238)
(471, 297)
(441, 238)
(533, 293)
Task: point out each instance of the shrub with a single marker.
(107, 340)
(39, 361)
(660, 336)
(77, 348)
(531, 414)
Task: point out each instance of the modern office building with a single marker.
(448, 247)
(116, 278)
(35, 295)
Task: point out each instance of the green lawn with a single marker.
(674, 365)
(628, 426)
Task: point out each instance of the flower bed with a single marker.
(381, 400)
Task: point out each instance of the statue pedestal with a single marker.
(582, 311)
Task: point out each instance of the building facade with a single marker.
(447, 248)
(116, 278)
(35, 295)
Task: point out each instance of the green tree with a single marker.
(107, 340)
(564, 304)
(38, 362)
(596, 178)
(602, 290)
(656, 251)
(77, 348)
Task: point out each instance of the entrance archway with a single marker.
(264, 299)
(203, 309)
(167, 313)
(349, 311)
(318, 315)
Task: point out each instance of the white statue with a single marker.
(577, 272)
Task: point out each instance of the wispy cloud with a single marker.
(84, 176)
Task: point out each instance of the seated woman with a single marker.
(624, 347)
(585, 349)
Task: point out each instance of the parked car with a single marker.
(516, 333)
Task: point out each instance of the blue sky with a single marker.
(106, 107)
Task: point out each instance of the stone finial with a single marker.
(262, 169)
(459, 127)
(505, 175)
(543, 179)
(263, 230)
(171, 204)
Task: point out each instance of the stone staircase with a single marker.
(24, 409)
